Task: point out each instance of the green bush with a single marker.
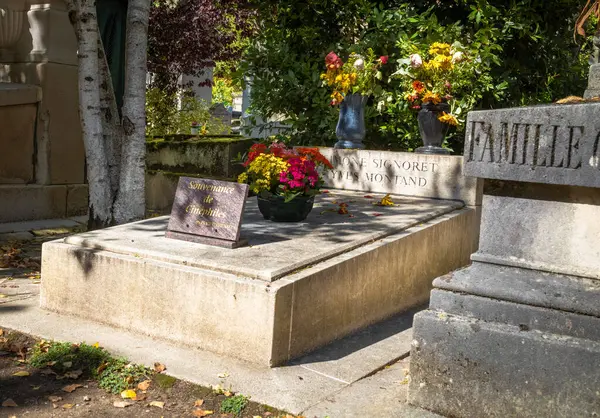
(524, 49)
(165, 117)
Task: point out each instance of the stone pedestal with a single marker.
(518, 332)
(593, 89)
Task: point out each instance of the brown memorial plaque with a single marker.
(208, 212)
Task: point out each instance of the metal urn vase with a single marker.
(350, 130)
(431, 129)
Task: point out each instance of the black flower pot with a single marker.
(276, 209)
(431, 129)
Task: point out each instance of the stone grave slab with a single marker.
(294, 288)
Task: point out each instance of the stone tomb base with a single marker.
(296, 287)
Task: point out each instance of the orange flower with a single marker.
(432, 98)
(418, 86)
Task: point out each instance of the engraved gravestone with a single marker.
(208, 212)
(521, 325)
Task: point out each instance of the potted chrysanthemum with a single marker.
(284, 179)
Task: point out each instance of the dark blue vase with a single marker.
(431, 129)
(350, 130)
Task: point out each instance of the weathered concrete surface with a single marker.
(402, 173)
(512, 224)
(32, 201)
(552, 144)
(18, 113)
(275, 249)
(293, 388)
(321, 280)
(469, 368)
(593, 89)
(382, 395)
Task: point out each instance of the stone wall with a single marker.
(43, 53)
(182, 155)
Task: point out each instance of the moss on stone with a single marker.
(164, 381)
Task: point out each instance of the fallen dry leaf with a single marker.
(47, 372)
(144, 385)
(159, 367)
(157, 404)
(68, 406)
(121, 404)
(199, 403)
(35, 387)
(141, 397)
(74, 374)
(51, 363)
(9, 403)
(129, 394)
(68, 364)
(223, 375)
(54, 406)
(21, 373)
(54, 398)
(71, 388)
(101, 368)
(227, 393)
(1, 331)
(202, 413)
(2, 295)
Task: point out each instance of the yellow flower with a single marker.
(439, 48)
(444, 62)
(243, 178)
(448, 118)
(431, 97)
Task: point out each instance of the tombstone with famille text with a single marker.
(208, 212)
(521, 323)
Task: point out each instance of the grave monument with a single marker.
(517, 334)
(295, 287)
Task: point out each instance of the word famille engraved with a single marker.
(532, 144)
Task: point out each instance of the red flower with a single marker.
(255, 151)
(383, 59)
(333, 61)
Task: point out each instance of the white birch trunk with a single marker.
(111, 124)
(100, 196)
(130, 201)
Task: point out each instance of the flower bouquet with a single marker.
(351, 83)
(427, 80)
(284, 179)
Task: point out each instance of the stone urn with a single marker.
(12, 16)
(431, 129)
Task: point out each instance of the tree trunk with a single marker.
(100, 196)
(130, 201)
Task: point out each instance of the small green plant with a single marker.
(234, 405)
(170, 114)
(62, 357)
(119, 375)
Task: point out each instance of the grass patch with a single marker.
(234, 405)
(62, 357)
(113, 374)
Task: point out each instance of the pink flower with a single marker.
(333, 61)
(383, 59)
(416, 61)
